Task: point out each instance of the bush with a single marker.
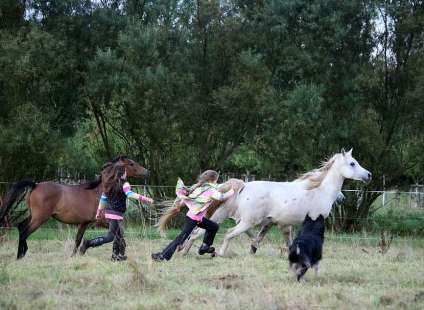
(402, 221)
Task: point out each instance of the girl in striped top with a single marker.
(113, 205)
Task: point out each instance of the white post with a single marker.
(384, 191)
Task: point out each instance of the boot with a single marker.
(158, 257)
(204, 248)
(118, 257)
(90, 244)
(116, 248)
(122, 247)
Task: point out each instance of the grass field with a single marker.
(354, 275)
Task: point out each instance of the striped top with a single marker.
(126, 189)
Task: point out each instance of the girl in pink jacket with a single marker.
(198, 198)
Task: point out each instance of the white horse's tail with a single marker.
(172, 210)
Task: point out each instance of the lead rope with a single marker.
(144, 228)
(149, 245)
(140, 231)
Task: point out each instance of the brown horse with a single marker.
(69, 204)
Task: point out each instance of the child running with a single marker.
(112, 203)
(200, 197)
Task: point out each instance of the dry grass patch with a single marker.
(349, 278)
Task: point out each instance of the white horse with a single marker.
(287, 203)
(229, 210)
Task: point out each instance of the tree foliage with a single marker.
(269, 87)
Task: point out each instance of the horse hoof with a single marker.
(253, 249)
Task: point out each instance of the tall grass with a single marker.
(353, 275)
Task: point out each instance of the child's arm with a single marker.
(102, 205)
(130, 194)
(182, 194)
(222, 196)
(181, 190)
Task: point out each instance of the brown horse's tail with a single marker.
(14, 196)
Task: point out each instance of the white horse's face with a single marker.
(351, 169)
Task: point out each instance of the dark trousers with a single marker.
(115, 234)
(211, 229)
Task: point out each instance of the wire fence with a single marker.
(416, 194)
(386, 198)
(402, 222)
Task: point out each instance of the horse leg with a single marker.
(286, 231)
(22, 245)
(81, 230)
(197, 233)
(255, 244)
(240, 228)
(250, 234)
(26, 228)
(316, 269)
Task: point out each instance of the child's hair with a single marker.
(113, 178)
(207, 176)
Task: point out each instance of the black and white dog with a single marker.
(306, 250)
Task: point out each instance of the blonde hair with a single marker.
(207, 176)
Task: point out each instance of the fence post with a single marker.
(384, 191)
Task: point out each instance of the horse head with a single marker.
(132, 168)
(351, 169)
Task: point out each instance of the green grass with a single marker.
(354, 275)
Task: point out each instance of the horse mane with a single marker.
(316, 176)
(111, 178)
(114, 161)
(93, 184)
